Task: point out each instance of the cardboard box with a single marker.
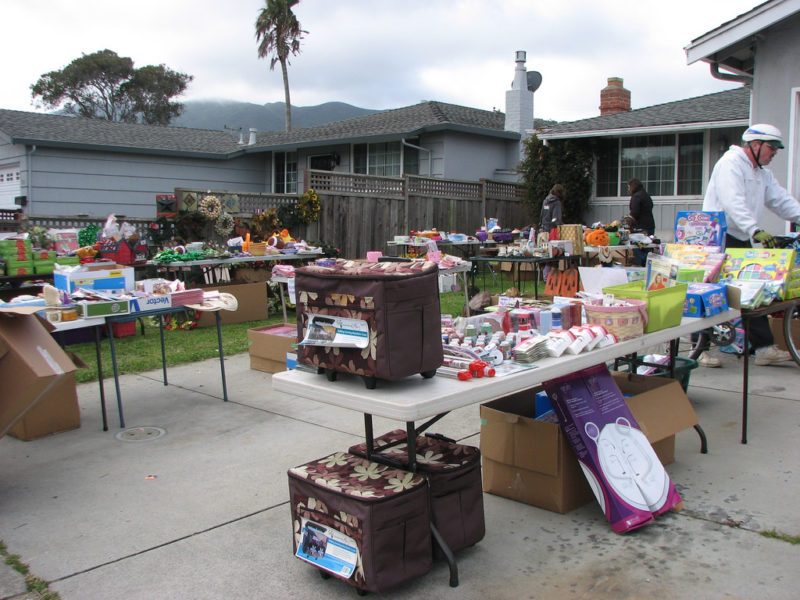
(252, 299)
(269, 347)
(776, 325)
(104, 308)
(532, 462)
(112, 278)
(55, 412)
(31, 363)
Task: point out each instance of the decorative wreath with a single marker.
(224, 224)
(210, 207)
(309, 207)
(264, 223)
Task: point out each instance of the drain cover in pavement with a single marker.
(140, 434)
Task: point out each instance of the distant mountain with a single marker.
(219, 114)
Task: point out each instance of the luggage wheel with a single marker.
(370, 382)
(324, 575)
(330, 374)
(361, 592)
(428, 374)
(320, 370)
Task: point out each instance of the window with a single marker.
(323, 162)
(608, 168)
(690, 164)
(384, 159)
(285, 173)
(667, 165)
(651, 159)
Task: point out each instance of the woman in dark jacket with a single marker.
(641, 207)
(551, 209)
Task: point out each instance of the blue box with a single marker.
(705, 299)
(543, 404)
(113, 278)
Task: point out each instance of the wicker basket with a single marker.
(625, 322)
(573, 233)
(258, 248)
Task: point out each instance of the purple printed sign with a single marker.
(627, 478)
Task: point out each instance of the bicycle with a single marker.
(725, 333)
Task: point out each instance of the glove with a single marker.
(764, 238)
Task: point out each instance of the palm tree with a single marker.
(278, 34)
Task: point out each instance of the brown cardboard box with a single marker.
(776, 325)
(252, 299)
(31, 363)
(531, 461)
(55, 412)
(269, 345)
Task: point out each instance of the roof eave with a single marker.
(742, 28)
(124, 149)
(383, 137)
(621, 131)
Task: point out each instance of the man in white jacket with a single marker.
(741, 187)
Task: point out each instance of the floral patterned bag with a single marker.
(454, 475)
(399, 301)
(375, 516)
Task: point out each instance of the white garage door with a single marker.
(9, 185)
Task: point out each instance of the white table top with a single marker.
(415, 398)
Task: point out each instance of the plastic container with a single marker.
(664, 306)
(683, 370)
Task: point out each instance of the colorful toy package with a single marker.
(705, 299)
(772, 266)
(706, 228)
(695, 256)
(622, 468)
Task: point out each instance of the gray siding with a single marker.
(777, 71)
(471, 157)
(13, 155)
(70, 182)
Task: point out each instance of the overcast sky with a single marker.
(382, 54)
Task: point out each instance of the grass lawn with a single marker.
(139, 353)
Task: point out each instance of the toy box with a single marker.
(705, 299)
(772, 266)
(706, 228)
(108, 277)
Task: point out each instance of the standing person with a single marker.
(741, 186)
(641, 207)
(552, 209)
(641, 211)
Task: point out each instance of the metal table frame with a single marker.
(415, 399)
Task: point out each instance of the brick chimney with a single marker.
(614, 98)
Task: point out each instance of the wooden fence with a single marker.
(363, 212)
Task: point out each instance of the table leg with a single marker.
(411, 444)
(464, 282)
(115, 368)
(97, 349)
(448, 555)
(163, 347)
(369, 435)
(745, 375)
(283, 302)
(218, 319)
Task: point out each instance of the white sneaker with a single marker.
(771, 355)
(708, 361)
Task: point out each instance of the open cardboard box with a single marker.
(532, 462)
(32, 364)
(252, 299)
(269, 346)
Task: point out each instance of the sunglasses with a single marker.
(775, 147)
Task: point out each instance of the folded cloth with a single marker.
(283, 270)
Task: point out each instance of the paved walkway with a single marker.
(202, 511)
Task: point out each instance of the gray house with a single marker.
(68, 165)
(760, 49)
(670, 147)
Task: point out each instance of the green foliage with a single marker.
(104, 85)
(568, 162)
(278, 34)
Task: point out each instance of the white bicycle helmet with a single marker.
(763, 132)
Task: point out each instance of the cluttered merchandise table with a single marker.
(210, 268)
(418, 399)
